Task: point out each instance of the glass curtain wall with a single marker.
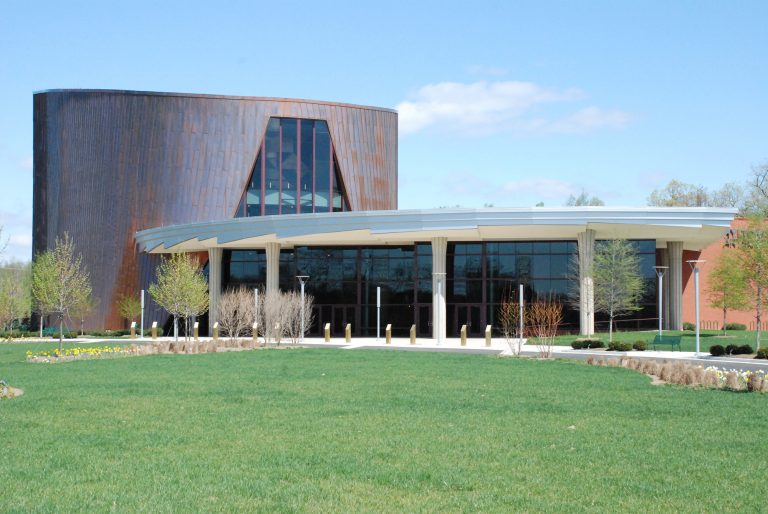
(343, 281)
(295, 171)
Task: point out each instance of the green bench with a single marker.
(670, 340)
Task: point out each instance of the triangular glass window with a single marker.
(296, 171)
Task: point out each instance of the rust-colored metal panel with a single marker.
(110, 163)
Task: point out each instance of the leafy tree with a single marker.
(617, 283)
(82, 308)
(752, 245)
(181, 289)
(584, 200)
(60, 281)
(15, 293)
(728, 285)
(130, 307)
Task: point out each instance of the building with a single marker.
(265, 189)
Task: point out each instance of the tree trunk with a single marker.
(758, 317)
(61, 334)
(725, 331)
(610, 329)
(175, 328)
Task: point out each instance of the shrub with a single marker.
(689, 326)
(744, 350)
(735, 326)
(67, 335)
(640, 346)
(577, 345)
(619, 347)
(762, 353)
(717, 350)
(592, 343)
(731, 349)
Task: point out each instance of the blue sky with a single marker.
(508, 103)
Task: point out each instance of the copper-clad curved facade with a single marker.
(110, 163)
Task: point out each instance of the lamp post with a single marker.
(660, 273)
(440, 303)
(141, 332)
(695, 268)
(302, 280)
(522, 297)
(378, 312)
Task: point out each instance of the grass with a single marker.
(370, 431)
(707, 338)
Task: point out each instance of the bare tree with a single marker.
(60, 281)
(274, 315)
(543, 319)
(294, 308)
(509, 316)
(236, 311)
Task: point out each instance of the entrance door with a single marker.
(468, 315)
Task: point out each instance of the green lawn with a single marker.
(370, 431)
(687, 343)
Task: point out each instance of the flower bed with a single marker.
(82, 352)
(692, 375)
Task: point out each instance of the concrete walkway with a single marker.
(499, 346)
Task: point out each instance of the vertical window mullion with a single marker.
(280, 170)
(298, 166)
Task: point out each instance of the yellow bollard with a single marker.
(413, 334)
(196, 329)
(348, 333)
(154, 330)
(133, 330)
(327, 332)
(216, 331)
(388, 332)
(463, 335)
(488, 335)
(255, 330)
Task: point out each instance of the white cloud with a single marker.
(17, 233)
(502, 105)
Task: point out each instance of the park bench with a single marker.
(670, 340)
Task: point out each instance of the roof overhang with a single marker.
(696, 227)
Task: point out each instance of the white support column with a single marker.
(664, 259)
(586, 242)
(214, 286)
(439, 249)
(273, 266)
(675, 284)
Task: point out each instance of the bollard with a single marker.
(488, 335)
(413, 334)
(216, 331)
(196, 330)
(255, 330)
(154, 330)
(388, 332)
(327, 332)
(463, 335)
(348, 333)
(133, 330)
